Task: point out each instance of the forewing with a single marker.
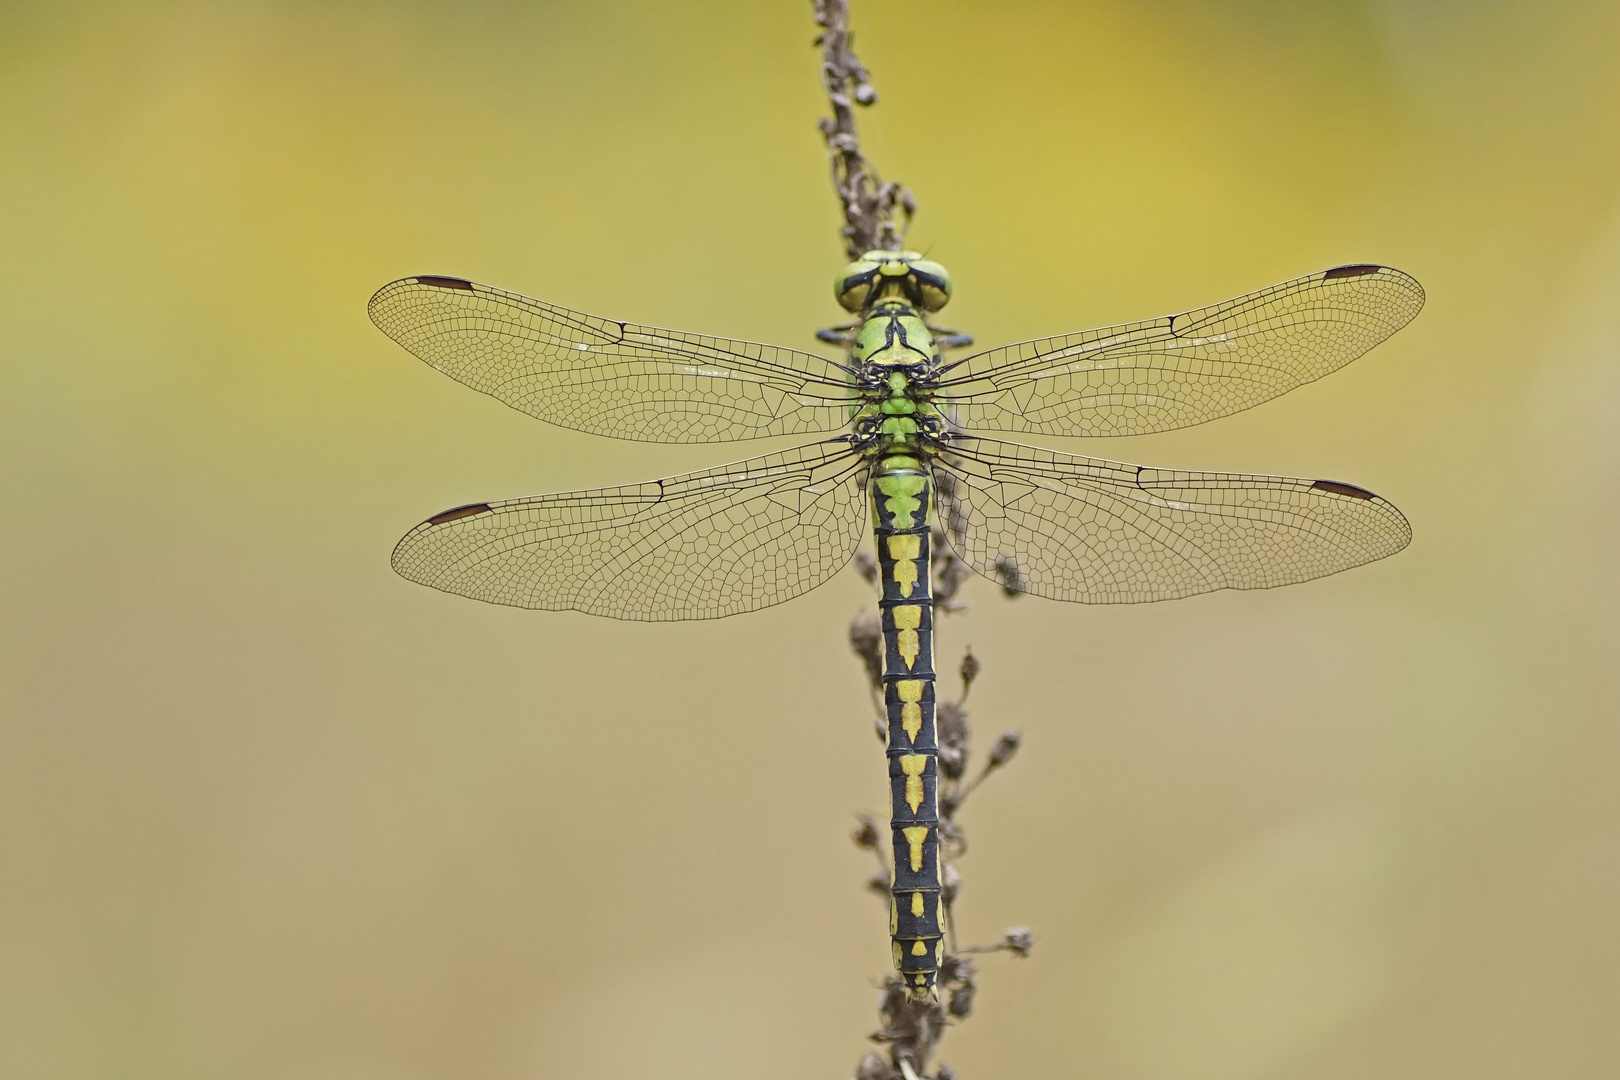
(610, 378)
(700, 546)
(1103, 532)
(1181, 370)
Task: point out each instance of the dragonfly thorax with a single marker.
(894, 355)
(893, 335)
(896, 365)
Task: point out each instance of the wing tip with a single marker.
(401, 558)
(1383, 505)
(1387, 274)
(433, 281)
(1350, 271)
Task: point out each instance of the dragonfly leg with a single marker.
(950, 339)
(838, 335)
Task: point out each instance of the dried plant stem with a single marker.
(869, 203)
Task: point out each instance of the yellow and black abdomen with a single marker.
(900, 511)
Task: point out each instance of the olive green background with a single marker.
(268, 811)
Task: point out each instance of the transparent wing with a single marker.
(610, 378)
(1102, 532)
(1184, 369)
(700, 546)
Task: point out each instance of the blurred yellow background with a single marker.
(271, 812)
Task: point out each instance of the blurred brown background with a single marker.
(271, 812)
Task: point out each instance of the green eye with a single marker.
(853, 285)
(933, 284)
(926, 284)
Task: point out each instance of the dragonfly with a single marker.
(898, 435)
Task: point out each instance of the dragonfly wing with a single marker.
(1103, 532)
(700, 546)
(1181, 370)
(610, 378)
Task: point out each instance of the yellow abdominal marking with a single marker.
(915, 837)
(910, 694)
(916, 905)
(913, 765)
(919, 949)
(905, 551)
(906, 642)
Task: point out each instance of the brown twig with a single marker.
(869, 204)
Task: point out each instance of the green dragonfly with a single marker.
(899, 427)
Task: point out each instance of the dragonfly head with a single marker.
(898, 275)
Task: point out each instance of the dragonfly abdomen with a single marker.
(900, 498)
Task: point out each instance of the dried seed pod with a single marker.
(1005, 748)
(957, 967)
(961, 1005)
(866, 639)
(1012, 579)
(866, 565)
(866, 834)
(951, 720)
(873, 1067)
(950, 883)
(949, 575)
(949, 572)
(970, 671)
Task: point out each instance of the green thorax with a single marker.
(892, 334)
(895, 349)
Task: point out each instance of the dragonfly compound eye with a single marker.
(854, 283)
(933, 284)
